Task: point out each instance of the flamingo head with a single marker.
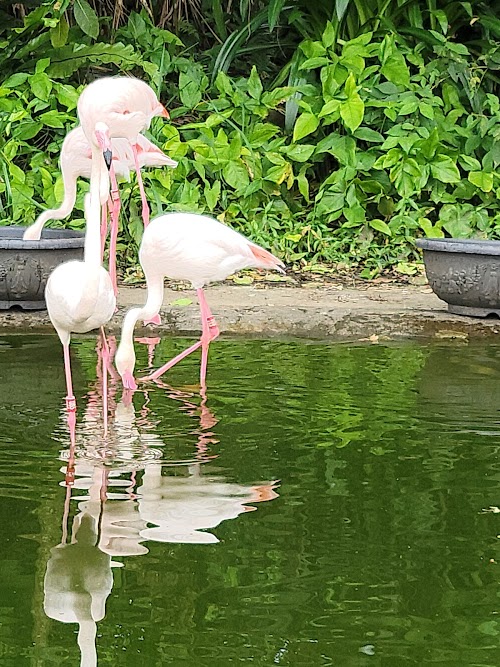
(103, 139)
(125, 363)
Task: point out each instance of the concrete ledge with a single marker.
(317, 312)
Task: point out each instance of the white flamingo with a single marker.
(79, 294)
(192, 247)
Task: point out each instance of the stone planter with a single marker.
(26, 265)
(465, 273)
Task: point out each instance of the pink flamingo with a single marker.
(197, 248)
(124, 107)
(80, 295)
(76, 160)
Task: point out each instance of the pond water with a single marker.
(372, 470)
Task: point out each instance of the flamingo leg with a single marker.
(145, 207)
(70, 399)
(105, 354)
(115, 216)
(104, 485)
(104, 228)
(210, 331)
(70, 468)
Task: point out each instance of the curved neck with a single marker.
(86, 641)
(99, 179)
(125, 355)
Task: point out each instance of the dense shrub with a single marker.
(354, 148)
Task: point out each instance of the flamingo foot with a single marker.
(153, 320)
(129, 381)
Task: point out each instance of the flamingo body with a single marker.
(126, 105)
(71, 308)
(199, 249)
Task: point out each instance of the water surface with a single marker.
(319, 505)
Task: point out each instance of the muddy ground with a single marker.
(317, 311)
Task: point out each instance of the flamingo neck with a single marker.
(86, 642)
(99, 179)
(125, 355)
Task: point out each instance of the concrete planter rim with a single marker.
(11, 238)
(25, 266)
(469, 246)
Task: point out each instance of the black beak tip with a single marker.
(108, 157)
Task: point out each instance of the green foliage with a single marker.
(378, 138)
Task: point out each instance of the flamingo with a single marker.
(76, 160)
(124, 107)
(79, 294)
(192, 247)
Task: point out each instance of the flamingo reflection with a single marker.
(126, 497)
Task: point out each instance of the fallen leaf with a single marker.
(181, 302)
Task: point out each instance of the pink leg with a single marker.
(115, 217)
(104, 228)
(104, 485)
(171, 363)
(210, 331)
(70, 399)
(145, 207)
(151, 343)
(70, 468)
(105, 363)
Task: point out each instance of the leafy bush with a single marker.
(377, 139)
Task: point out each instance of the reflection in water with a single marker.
(117, 512)
(78, 581)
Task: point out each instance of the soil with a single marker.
(332, 309)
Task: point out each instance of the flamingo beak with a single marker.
(108, 158)
(164, 112)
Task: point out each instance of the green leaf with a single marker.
(470, 163)
(273, 12)
(261, 133)
(380, 226)
(313, 63)
(15, 80)
(181, 302)
(236, 175)
(212, 194)
(189, 90)
(328, 37)
(305, 124)
(426, 110)
(52, 119)
(352, 111)
(303, 183)
(59, 34)
(445, 169)
(27, 130)
(41, 86)
(396, 70)
(482, 179)
(367, 134)
(299, 152)
(86, 18)
(254, 84)
(340, 8)
(330, 107)
(66, 95)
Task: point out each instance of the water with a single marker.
(372, 471)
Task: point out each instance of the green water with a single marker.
(370, 470)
